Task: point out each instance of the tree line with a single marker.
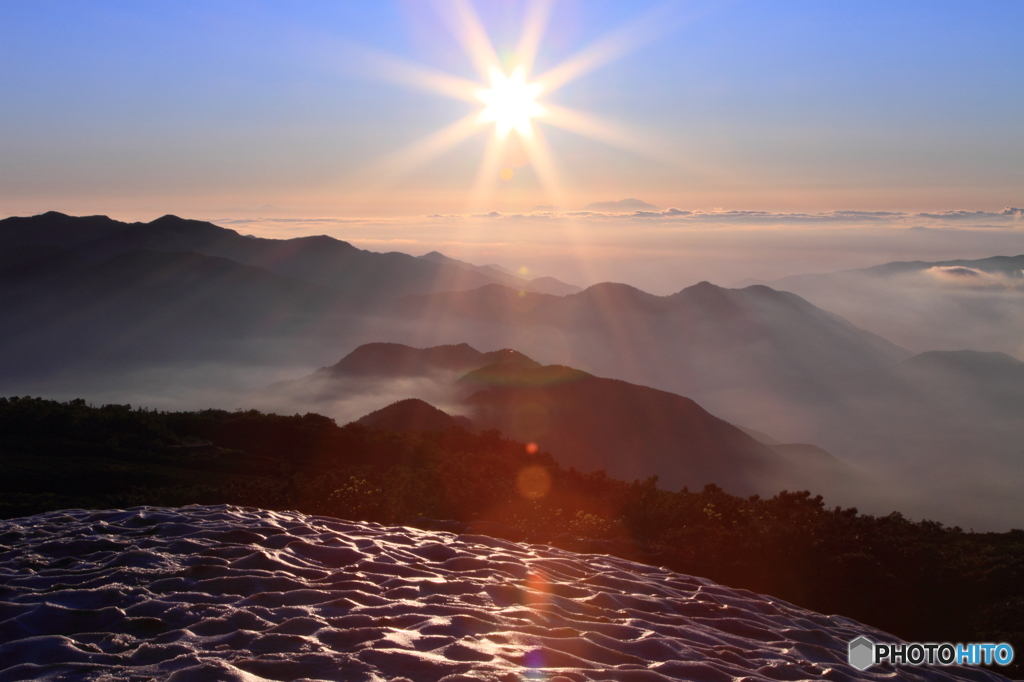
(920, 580)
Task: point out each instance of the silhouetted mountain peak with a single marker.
(509, 357)
(396, 359)
(615, 287)
(621, 206)
(705, 290)
(708, 297)
(715, 298)
(185, 226)
(365, 276)
(764, 290)
(56, 229)
(413, 414)
(165, 219)
(616, 295)
(323, 241)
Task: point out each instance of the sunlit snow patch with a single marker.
(227, 593)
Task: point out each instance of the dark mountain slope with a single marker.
(397, 360)
(61, 310)
(317, 259)
(629, 431)
(584, 421)
(412, 414)
(57, 229)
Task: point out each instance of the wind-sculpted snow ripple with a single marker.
(228, 593)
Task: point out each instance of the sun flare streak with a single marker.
(422, 152)
(510, 101)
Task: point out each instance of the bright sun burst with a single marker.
(510, 103)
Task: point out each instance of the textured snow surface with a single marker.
(229, 593)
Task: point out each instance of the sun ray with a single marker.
(533, 30)
(613, 46)
(543, 163)
(470, 32)
(419, 153)
(398, 70)
(487, 174)
(594, 128)
(510, 101)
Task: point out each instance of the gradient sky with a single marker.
(278, 110)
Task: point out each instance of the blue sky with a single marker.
(214, 106)
(278, 119)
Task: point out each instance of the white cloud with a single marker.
(961, 276)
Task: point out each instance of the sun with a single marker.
(510, 102)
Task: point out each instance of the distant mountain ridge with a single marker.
(929, 417)
(957, 304)
(395, 359)
(621, 206)
(319, 259)
(703, 336)
(584, 421)
(186, 290)
(545, 285)
(90, 300)
(1010, 266)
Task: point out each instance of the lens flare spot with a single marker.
(531, 448)
(533, 482)
(538, 589)
(534, 662)
(507, 174)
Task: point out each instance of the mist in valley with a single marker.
(104, 311)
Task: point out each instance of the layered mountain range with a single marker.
(586, 422)
(91, 300)
(959, 304)
(319, 260)
(78, 292)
